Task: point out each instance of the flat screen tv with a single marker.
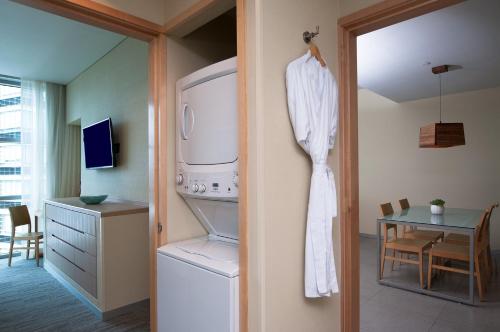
(98, 145)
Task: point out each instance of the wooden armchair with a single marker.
(404, 245)
(19, 216)
(460, 252)
(462, 239)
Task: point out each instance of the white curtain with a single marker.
(50, 149)
(63, 146)
(33, 144)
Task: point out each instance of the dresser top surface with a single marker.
(110, 207)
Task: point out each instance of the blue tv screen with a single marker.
(98, 145)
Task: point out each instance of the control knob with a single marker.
(179, 179)
(203, 188)
(195, 188)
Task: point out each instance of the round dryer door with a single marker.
(208, 117)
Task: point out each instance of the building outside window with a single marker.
(10, 155)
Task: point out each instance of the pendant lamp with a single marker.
(441, 135)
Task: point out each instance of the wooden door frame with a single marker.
(350, 27)
(108, 18)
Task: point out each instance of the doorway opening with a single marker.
(352, 144)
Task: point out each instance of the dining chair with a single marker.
(20, 216)
(463, 239)
(401, 245)
(460, 252)
(414, 233)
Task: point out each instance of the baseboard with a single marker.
(367, 236)
(128, 308)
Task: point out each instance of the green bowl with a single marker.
(93, 199)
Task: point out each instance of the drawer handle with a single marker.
(62, 256)
(64, 225)
(69, 244)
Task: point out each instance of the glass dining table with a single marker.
(454, 220)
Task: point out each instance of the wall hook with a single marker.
(308, 36)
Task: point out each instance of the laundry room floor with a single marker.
(32, 300)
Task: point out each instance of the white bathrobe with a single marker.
(312, 105)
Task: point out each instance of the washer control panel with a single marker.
(223, 185)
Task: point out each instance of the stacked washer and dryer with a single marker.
(197, 279)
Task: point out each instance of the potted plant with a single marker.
(437, 206)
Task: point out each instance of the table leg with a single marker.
(378, 251)
(471, 267)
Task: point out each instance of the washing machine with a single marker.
(198, 279)
(198, 286)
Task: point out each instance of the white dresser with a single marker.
(99, 252)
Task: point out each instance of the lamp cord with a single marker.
(440, 98)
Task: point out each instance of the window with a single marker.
(10, 154)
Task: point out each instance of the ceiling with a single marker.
(396, 61)
(41, 46)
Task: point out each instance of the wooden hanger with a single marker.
(315, 53)
(308, 37)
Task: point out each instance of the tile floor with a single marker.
(392, 310)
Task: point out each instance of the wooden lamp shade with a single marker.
(442, 135)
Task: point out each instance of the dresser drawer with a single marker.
(76, 256)
(82, 241)
(81, 277)
(80, 221)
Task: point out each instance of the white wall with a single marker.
(176, 7)
(279, 171)
(116, 86)
(350, 6)
(156, 11)
(392, 166)
(151, 10)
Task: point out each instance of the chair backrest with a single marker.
(404, 206)
(404, 203)
(386, 209)
(486, 231)
(492, 207)
(19, 215)
(481, 236)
